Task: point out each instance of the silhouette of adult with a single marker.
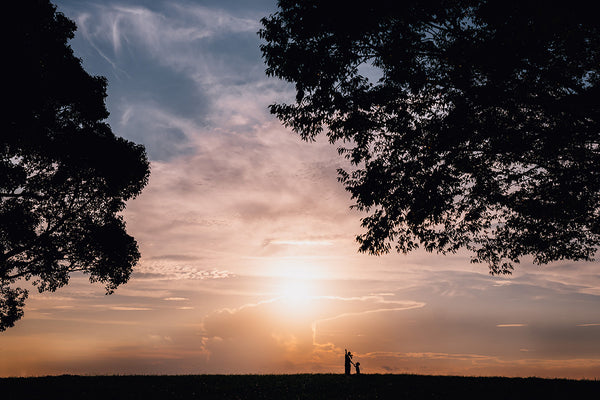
(347, 362)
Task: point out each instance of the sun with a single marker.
(296, 291)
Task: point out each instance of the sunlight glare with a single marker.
(296, 292)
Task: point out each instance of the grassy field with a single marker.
(304, 386)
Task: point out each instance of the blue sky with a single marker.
(249, 263)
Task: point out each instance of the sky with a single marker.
(249, 261)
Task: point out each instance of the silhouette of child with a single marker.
(357, 366)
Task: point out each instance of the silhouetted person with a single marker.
(357, 366)
(347, 362)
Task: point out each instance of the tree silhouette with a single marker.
(468, 124)
(64, 175)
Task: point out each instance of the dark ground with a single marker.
(305, 386)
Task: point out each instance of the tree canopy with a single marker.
(64, 175)
(468, 124)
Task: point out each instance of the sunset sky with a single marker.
(249, 263)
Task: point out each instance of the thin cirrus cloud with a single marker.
(173, 64)
(167, 35)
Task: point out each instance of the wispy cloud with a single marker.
(178, 37)
(170, 271)
(171, 60)
(368, 305)
(299, 242)
(127, 308)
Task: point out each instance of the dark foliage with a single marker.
(481, 130)
(321, 386)
(64, 175)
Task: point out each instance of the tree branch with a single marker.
(61, 222)
(25, 195)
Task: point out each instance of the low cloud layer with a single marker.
(285, 330)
